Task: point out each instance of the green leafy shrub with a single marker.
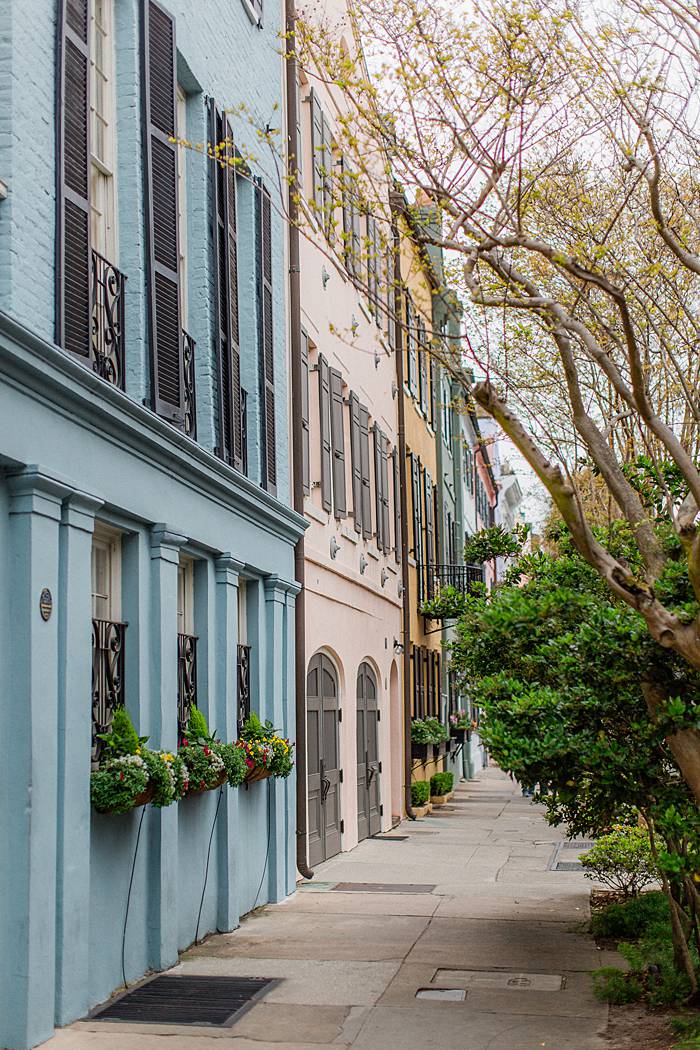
(447, 604)
(197, 728)
(622, 860)
(234, 763)
(167, 775)
(122, 738)
(437, 729)
(616, 987)
(200, 753)
(261, 746)
(687, 1027)
(628, 919)
(117, 783)
(420, 733)
(441, 783)
(420, 792)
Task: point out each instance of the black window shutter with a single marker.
(305, 450)
(423, 365)
(429, 529)
(225, 253)
(159, 94)
(378, 479)
(397, 505)
(324, 403)
(340, 504)
(266, 339)
(364, 466)
(386, 544)
(73, 255)
(356, 461)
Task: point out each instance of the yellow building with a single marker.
(417, 384)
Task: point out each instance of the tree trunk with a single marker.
(684, 744)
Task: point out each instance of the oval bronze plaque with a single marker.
(45, 604)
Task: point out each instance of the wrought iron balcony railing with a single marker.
(107, 678)
(107, 321)
(188, 345)
(461, 577)
(186, 680)
(243, 684)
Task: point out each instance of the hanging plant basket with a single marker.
(460, 735)
(208, 787)
(142, 799)
(257, 773)
(424, 752)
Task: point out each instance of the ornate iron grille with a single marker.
(107, 320)
(186, 680)
(107, 677)
(243, 684)
(188, 345)
(461, 577)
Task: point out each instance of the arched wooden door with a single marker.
(368, 764)
(323, 759)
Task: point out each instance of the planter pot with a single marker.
(257, 773)
(440, 800)
(422, 811)
(460, 736)
(422, 751)
(212, 787)
(141, 799)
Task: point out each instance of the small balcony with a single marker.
(107, 335)
(186, 681)
(461, 577)
(108, 638)
(445, 587)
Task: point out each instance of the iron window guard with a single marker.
(107, 321)
(108, 637)
(186, 681)
(244, 652)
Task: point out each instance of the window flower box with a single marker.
(424, 752)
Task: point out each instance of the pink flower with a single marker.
(207, 751)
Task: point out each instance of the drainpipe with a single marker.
(406, 606)
(297, 441)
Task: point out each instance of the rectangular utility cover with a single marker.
(389, 838)
(185, 1000)
(521, 982)
(385, 887)
(449, 995)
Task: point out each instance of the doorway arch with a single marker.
(323, 758)
(368, 764)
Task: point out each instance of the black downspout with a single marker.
(406, 597)
(297, 438)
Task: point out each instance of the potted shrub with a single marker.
(422, 739)
(441, 788)
(210, 763)
(420, 797)
(131, 774)
(264, 752)
(460, 726)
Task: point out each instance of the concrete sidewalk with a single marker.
(351, 962)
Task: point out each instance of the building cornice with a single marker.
(40, 370)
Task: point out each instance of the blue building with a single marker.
(146, 535)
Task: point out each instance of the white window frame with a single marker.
(103, 231)
(185, 596)
(108, 540)
(182, 200)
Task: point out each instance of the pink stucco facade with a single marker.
(352, 574)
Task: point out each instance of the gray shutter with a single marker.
(423, 367)
(434, 381)
(364, 467)
(411, 346)
(266, 336)
(159, 94)
(317, 151)
(324, 401)
(378, 478)
(73, 255)
(397, 505)
(225, 255)
(393, 302)
(305, 444)
(356, 461)
(429, 523)
(327, 155)
(386, 545)
(340, 505)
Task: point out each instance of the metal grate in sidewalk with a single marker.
(187, 999)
